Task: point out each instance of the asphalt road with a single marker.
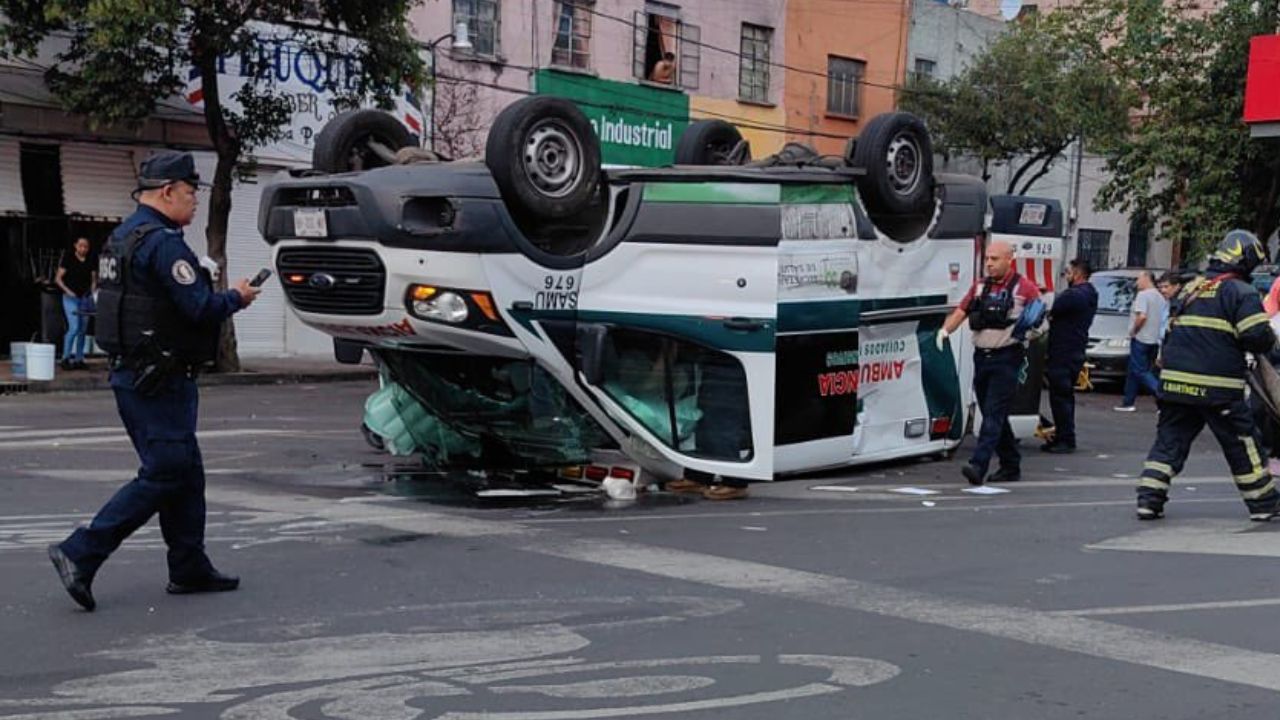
(371, 594)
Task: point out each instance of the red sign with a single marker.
(1262, 89)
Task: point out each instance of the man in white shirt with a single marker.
(1146, 317)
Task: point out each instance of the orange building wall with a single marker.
(874, 31)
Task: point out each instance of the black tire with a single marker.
(545, 157)
(709, 142)
(897, 155)
(358, 140)
(373, 439)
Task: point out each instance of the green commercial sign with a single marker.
(637, 125)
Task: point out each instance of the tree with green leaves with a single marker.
(1022, 103)
(119, 58)
(1186, 161)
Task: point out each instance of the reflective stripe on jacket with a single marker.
(1214, 323)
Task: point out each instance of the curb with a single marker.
(211, 380)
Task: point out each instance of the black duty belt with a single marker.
(994, 351)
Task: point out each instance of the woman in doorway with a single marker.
(78, 280)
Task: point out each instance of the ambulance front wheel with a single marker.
(359, 140)
(544, 157)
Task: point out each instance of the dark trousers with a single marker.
(169, 482)
(995, 380)
(1141, 375)
(1233, 427)
(1062, 374)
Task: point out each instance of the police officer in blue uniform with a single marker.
(158, 318)
(1215, 321)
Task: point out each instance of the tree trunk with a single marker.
(227, 148)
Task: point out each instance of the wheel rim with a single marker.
(904, 162)
(552, 158)
(720, 153)
(364, 154)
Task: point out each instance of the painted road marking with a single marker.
(1175, 607)
(1202, 537)
(58, 432)
(1094, 638)
(118, 436)
(388, 675)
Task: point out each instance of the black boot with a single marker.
(213, 582)
(79, 584)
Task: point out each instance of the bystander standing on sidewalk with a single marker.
(77, 279)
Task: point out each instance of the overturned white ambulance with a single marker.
(744, 318)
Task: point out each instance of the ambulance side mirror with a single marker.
(592, 340)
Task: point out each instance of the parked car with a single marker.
(1108, 349)
(1263, 277)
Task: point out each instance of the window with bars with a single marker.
(665, 49)
(925, 68)
(844, 85)
(753, 63)
(572, 47)
(482, 19)
(1094, 246)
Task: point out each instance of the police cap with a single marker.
(166, 167)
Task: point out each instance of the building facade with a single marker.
(944, 40)
(640, 70)
(846, 60)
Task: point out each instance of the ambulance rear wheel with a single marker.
(712, 142)
(895, 151)
(359, 140)
(544, 157)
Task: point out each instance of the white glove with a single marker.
(941, 338)
(211, 265)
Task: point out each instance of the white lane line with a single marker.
(844, 510)
(1177, 607)
(120, 436)
(1074, 634)
(1080, 481)
(1094, 638)
(58, 432)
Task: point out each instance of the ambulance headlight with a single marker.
(445, 306)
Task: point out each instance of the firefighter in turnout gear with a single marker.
(159, 318)
(1214, 322)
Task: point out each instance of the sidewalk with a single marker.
(254, 371)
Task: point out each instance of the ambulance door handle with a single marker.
(743, 324)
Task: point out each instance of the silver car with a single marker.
(1108, 349)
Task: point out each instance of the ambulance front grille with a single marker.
(332, 280)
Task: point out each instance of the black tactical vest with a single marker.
(990, 310)
(127, 310)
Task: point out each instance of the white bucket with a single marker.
(40, 361)
(18, 360)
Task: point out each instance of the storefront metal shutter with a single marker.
(97, 180)
(11, 199)
(260, 329)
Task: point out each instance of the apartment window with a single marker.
(481, 17)
(844, 85)
(753, 63)
(1094, 246)
(666, 50)
(572, 47)
(924, 69)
